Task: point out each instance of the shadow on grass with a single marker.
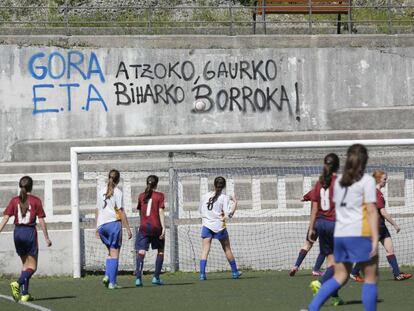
(55, 298)
(359, 302)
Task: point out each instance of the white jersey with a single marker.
(213, 216)
(110, 212)
(351, 209)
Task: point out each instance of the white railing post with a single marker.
(74, 198)
(48, 197)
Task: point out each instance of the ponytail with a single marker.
(152, 182)
(331, 166)
(356, 161)
(113, 180)
(219, 185)
(26, 185)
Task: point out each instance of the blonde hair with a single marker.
(377, 174)
(113, 180)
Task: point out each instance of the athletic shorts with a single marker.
(383, 233)
(325, 230)
(25, 240)
(207, 233)
(143, 242)
(352, 249)
(111, 234)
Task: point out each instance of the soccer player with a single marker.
(110, 217)
(323, 219)
(384, 235)
(356, 230)
(316, 271)
(151, 229)
(214, 207)
(25, 208)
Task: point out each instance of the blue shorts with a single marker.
(207, 233)
(111, 234)
(352, 249)
(383, 233)
(143, 242)
(25, 240)
(326, 230)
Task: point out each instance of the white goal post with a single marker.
(76, 151)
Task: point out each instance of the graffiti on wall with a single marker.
(246, 86)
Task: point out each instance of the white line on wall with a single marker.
(27, 304)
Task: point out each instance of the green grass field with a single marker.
(183, 291)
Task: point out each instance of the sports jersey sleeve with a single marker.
(370, 191)
(118, 200)
(308, 196)
(226, 205)
(9, 211)
(162, 201)
(40, 212)
(316, 193)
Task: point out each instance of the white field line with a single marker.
(27, 304)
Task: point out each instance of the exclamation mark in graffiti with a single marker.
(297, 111)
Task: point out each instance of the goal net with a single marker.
(268, 180)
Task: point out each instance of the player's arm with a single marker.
(44, 229)
(388, 217)
(4, 222)
(125, 223)
(162, 221)
(314, 212)
(373, 224)
(233, 206)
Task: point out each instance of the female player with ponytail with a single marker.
(151, 229)
(323, 219)
(25, 208)
(214, 207)
(109, 216)
(356, 230)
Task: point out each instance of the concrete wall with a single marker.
(64, 88)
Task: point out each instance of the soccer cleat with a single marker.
(236, 275)
(114, 286)
(315, 286)
(403, 276)
(203, 277)
(157, 281)
(357, 278)
(317, 273)
(15, 289)
(337, 301)
(26, 298)
(138, 282)
(293, 271)
(105, 281)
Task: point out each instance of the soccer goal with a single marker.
(268, 179)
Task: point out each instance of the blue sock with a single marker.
(24, 280)
(319, 262)
(369, 296)
(112, 269)
(233, 265)
(392, 260)
(327, 289)
(356, 269)
(158, 265)
(301, 256)
(327, 275)
(203, 264)
(139, 265)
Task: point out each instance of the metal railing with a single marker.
(231, 20)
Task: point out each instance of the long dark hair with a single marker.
(356, 161)
(330, 166)
(113, 180)
(152, 182)
(26, 186)
(219, 185)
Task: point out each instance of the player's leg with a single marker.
(159, 260)
(206, 245)
(301, 256)
(316, 271)
(225, 244)
(369, 289)
(29, 268)
(114, 236)
(392, 260)
(141, 247)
